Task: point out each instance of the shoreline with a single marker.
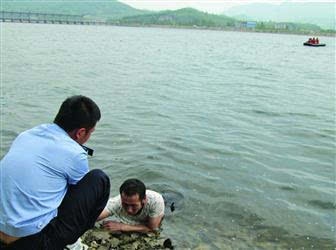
(308, 33)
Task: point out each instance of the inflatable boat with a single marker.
(314, 44)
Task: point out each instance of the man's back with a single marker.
(36, 171)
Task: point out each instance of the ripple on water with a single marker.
(266, 236)
(248, 128)
(285, 240)
(327, 205)
(173, 198)
(288, 188)
(8, 133)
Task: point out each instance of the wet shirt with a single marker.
(34, 177)
(153, 208)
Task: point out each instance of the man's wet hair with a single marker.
(133, 186)
(77, 112)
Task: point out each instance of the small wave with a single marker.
(287, 240)
(8, 133)
(170, 195)
(286, 114)
(310, 134)
(288, 188)
(266, 113)
(178, 147)
(323, 204)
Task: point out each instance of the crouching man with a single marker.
(48, 196)
(135, 209)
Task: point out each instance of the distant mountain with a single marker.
(107, 9)
(180, 17)
(322, 14)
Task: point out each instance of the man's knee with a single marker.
(97, 176)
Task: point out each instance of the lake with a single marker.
(239, 127)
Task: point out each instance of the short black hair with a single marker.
(77, 112)
(133, 186)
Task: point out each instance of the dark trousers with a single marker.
(77, 213)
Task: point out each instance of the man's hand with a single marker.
(112, 226)
(153, 224)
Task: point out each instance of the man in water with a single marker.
(136, 209)
(48, 196)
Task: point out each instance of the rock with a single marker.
(101, 235)
(114, 242)
(168, 244)
(98, 239)
(172, 207)
(134, 236)
(102, 248)
(135, 245)
(94, 244)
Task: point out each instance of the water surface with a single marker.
(242, 125)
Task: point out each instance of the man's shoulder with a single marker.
(155, 203)
(46, 131)
(153, 193)
(116, 198)
(50, 137)
(154, 197)
(55, 133)
(114, 204)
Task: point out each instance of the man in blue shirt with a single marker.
(48, 196)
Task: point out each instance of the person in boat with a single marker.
(317, 40)
(314, 40)
(49, 198)
(135, 209)
(310, 40)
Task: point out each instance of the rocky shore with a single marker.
(98, 239)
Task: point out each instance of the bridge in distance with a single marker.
(34, 17)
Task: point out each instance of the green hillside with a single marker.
(110, 9)
(181, 17)
(319, 13)
(118, 13)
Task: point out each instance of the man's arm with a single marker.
(153, 224)
(104, 214)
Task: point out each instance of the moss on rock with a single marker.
(98, 239)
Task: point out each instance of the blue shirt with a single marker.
(34, 177)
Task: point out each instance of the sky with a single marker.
(211, 6)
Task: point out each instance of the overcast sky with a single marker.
(211, 6)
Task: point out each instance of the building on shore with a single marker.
(284, 26)
(246, 25)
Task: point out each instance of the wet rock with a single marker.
(102, 248)
(94, 244)
(114, 242)
(168, 244)
(97, 239)
(102, 235)
(135, 244)
(172, 207)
